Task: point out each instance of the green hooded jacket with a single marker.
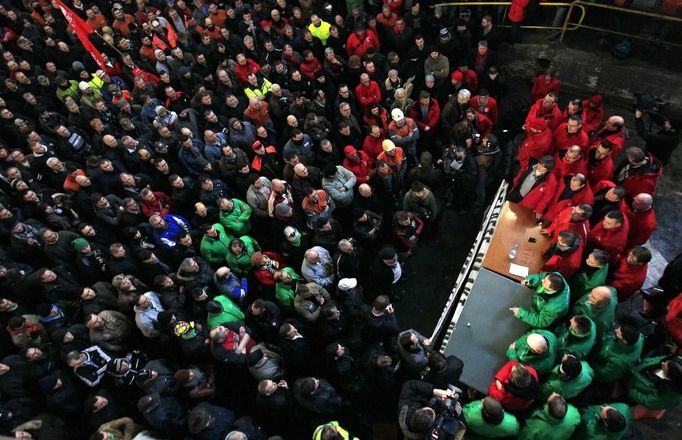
(473, 419)
(582, 283)
(644, 391)
(236, 222)
(578, 346)
(545, 309)
(540, 425)
(241, 264)
(614, 358)
(214, 250)
(592, 428)
(603, 317)
(231, 313)
(284, 293)
(567, 388)
(542, 363)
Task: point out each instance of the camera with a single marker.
(448, 411)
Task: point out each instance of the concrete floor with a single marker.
(432, 271)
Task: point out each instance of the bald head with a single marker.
(642, 202)
(537, 343)
(600, 296)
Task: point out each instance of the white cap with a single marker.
(83, 85)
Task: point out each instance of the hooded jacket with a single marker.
(541, 425)
(545, 308)
(603, 317)
(647, 389)
(615, 359)
(215, 250)
(541, 362)
(567, 388)
(578, 346)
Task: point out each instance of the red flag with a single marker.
(82, 30)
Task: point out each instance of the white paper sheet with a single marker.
(518, 270)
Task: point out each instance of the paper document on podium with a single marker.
(518, 270)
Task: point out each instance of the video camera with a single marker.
(448, 412)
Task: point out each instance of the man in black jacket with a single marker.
(662, 143)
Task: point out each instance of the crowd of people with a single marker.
(203, 235)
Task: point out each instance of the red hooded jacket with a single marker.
(644, 181)
(541, 88)
(612, 241)
(360, 167)
(541, 195)
(356, 45)
(564, 140)
(592, 118)
(567, 265)
(558, 204)
(242, 72)
(553, 116)
(517, 10)
(562, 167)
(562, 222)
(534, 147)
(599, 170)
(509, 401)
(642, 224)
(618, 139)
(628, 278)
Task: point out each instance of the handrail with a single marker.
(579, 24)
(543, 4)
(569, 25)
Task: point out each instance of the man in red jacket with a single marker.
(358, 163)
(593, 113)
(426, 113)
(367, 92)
(244, 67)
(360, 40)
(570, 162)
(485, 104)
(534, 187)
(613, 131)
(639, 173)
(515, 386)
(570, 191)
(546, 108)
(630, 273)
(673, 320)
(538, 143)
(545, 83)
(611, 234)
(600, 162)
(642, 217)
(571, 133)
(572, 218)
(565, 256)
(479, 122)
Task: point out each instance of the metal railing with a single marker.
(568, 25)
(582, 7)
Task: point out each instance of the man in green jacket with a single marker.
(550, 300)
(215, 244)
(234, 215)
(600, 306)
(618, 353)
(222, 310)
(556, 420)
(656, 382)
(576, 337)
(487, 419)
(536, 348)
(604, 422)
(240, 253)
(286, 283)
(569, 378)
(592, 274)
